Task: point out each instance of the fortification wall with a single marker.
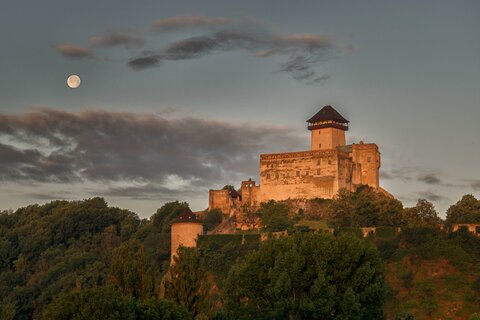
(367, 158)
(250, 194)
(184, 234)
(220, 199)
(307, 174)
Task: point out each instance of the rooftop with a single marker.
(186, 216)
(327, 113)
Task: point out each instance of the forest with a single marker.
(88, 260)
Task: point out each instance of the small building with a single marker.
(185, 231)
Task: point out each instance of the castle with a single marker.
(320, 172)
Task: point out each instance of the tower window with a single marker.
(369, 159)
(319, 131)
(320, 145)
(318, 162)
(329, 161)
(318, 171)
(298, 173)
(268, 175)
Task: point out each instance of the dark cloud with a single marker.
(421, 174)
(475, 184)
(133, 154)
(431, 196)
(429, 178)
(186, 22)
(73, 51)
(113, 39)
(303, 51)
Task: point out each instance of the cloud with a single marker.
(132, 154)
(113, 39)
(417, 173)
(431, 196)
(429, 178)
(303, 51)
(189, 21)
(475, 184)
(73, 51)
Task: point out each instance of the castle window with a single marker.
(320, 145)
(329, 161)
(369, 159)
(318, 171)
(268, 175)
(318, 162)
(298, 173)
(319, 131)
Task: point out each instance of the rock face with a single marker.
(329, 166)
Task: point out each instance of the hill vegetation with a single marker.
(87, 260)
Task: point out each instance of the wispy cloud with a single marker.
(303, 51)
(429, 178)
(178, 23)
(432, 196)
(73, 52)
(113, 39)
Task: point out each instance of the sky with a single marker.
(178, 97)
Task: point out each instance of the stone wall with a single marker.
(304, 175)
(220, 199)
(184, 234)
(367, 158)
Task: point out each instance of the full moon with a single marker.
(73, 81)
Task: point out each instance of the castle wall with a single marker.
(368, 159)
(220, 199)
(327, 138)
(307, 174)
(184, 234)
(250, 194)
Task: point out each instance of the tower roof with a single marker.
(186, 216)
(327, 113)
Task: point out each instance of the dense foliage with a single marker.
(466, 210)
(274, 216)
(308, 276)
(86, 260)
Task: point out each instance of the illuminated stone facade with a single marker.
(329, 166)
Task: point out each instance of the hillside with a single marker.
(66, 248)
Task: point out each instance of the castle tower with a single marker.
(185, 231)
(328, 129)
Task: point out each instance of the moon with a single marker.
(73, 81)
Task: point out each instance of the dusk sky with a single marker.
(180, 97)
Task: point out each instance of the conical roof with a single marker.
(327, 113)
(186, 216)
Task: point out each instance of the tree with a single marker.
(129, 272)
(153, 309)
(364, 208)
(187, 285)
(212, 218)
(308, 276)
(274, 216)
(164, 216)
(466, 210)
(422, 215)
(94, 304)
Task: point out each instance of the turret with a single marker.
(185, 230)
(328, 129)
